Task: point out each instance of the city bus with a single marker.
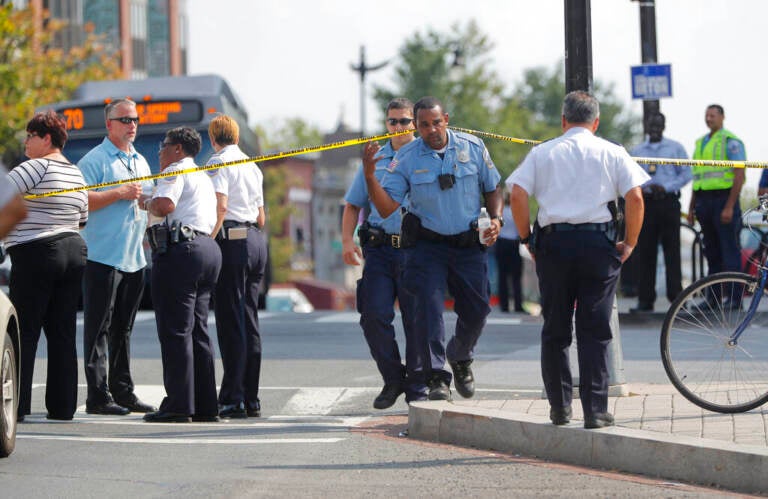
(162, 103)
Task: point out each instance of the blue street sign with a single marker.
(651, 81)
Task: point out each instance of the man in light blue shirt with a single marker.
(662, 215)
(114, 275)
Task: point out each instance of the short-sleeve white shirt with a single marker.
(242, 184)
(575, 176)
(192, 194)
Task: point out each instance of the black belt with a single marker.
(201, 233)
(713, 193)
(589, 227)
(465, 239)
(374, 240)
(234, 223)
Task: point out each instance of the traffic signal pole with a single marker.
(648, 50)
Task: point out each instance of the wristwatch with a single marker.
(499, 218)
(526, 239)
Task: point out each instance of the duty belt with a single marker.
(588, 227)
(234, 223)
(466, 239)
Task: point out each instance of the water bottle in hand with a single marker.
(483, 223)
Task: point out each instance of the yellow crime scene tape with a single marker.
(364, 140)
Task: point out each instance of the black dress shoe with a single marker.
(254, 410)
(232, 411)
(598, 420)
(463, 379)
(165, 417)
(388, 395)
(438, 390)
(58, 417)
(560, 415)
(136, 405)
(108, 409)
(205, 419)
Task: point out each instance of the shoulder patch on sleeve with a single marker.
(488, 160)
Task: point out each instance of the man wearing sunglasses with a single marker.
(381, 285)
(114, 274)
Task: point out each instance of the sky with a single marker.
(291, 58)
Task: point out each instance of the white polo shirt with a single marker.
(193, 195)
(575, 176)
(242, 184)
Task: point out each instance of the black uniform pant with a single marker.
(661, 224)
(510, 267)
(577, 270)
(182, 280)
(111, 299)
(237, 321)
(45, 287)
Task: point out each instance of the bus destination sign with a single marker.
(150, 113)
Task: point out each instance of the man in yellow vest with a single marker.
(715, 198)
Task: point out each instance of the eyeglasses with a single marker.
(31, 134)
(126, 120)
(401, 121)
(163, 144)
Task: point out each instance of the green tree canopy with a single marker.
(34, 72)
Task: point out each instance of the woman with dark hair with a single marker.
(48, 257)
(185, 267)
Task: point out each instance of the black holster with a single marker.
(410, 227)
(158, 236)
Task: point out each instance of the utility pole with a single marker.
(578, 76)
(648, 49)
(363, 69)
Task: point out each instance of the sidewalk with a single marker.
(657, 433)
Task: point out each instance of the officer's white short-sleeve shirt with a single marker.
(192, 194)
(242, 184)
(575, 176)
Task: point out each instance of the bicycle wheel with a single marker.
(695, 347)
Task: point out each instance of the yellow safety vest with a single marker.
(710, 178)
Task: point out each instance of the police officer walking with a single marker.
(382, 274)
(443, 173)
(715, 199)
(186, 264)
(575, 179)
(238, 231)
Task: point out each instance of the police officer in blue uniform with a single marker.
(381, 281)
(576, 178)
(445, 174)
(186, 264)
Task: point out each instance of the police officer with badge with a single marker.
(445, 175)
(186, 264)
(238, 231)
(715, 198)
(381, 283)
(576, 179)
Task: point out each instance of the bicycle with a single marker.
(714, 340)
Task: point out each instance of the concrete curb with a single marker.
(732, 466)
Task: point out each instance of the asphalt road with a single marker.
(318, 436)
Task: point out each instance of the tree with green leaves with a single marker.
(33, 71)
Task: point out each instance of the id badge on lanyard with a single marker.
(132, 173)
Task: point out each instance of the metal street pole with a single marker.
(578, 76)
(363, 69)
(648, 49)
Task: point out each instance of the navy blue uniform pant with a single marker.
(576, 269)
(722, 247)
(182, 281)
(661, 224)
(46, 279)
(237, 321)
(376, 294)
(431, 271)
(110, 301)
(510, 266)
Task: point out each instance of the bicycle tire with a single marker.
(695, 352)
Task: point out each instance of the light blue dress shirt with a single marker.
(357, 195)
(114, 233)
(672, 178)
(414, 173)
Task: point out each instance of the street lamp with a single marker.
(363, 69)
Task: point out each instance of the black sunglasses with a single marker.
(164, 143)
(401, 121)
(126, 120)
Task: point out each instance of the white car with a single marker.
(288, 300)
(10, 365)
